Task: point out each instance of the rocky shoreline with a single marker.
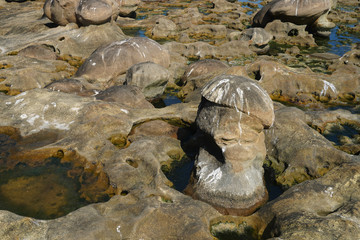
(80, 94)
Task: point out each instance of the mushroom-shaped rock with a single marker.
(242, 94)
(109, 61)
(301, 12)
(94, 12)
(228, 170)
(82, 12)
(61, 12)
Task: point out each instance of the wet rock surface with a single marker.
(128, 157)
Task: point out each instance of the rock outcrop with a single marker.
(150, 77)
(302, 12)
(87, 12)
(231, 116)
(108, 62)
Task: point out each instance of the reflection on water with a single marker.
(167, 99)
(338, 43)
(179, 175)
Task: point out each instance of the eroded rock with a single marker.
(164, 28)
(109, 61)
(229, 173)
(130, 96)
(23, 73)
(306, 155)
(302, 12)
(289, 33)
(305, 210)
(258, 39)
(150, 77)
(87, 12)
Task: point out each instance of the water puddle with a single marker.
(179, 173)
(168, 98)
(338, 43)
(134, 32)
(43, 192)
(251, 5)
(341, 134)
(47, 183)
(354, 109)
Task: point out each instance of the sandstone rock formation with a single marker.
(302, 12)
(24, 73)
(304, 85)
(87, 12)
(203, 50)
(139, 153)
(258, 39)
(150, 77)
(164, 28)
(67, 85)
(229, 173)
(303, 156)
(327, 207)
(201, 68)
(109, 61)
(290, 33)
(37, 112)
(41, 52)
(130, 96)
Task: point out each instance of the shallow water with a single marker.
(167, 99)
(134, 32)
(180, 174)
(254, 9)
(338, 43)
(43, 192)
(335, 132)
(47, 187)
